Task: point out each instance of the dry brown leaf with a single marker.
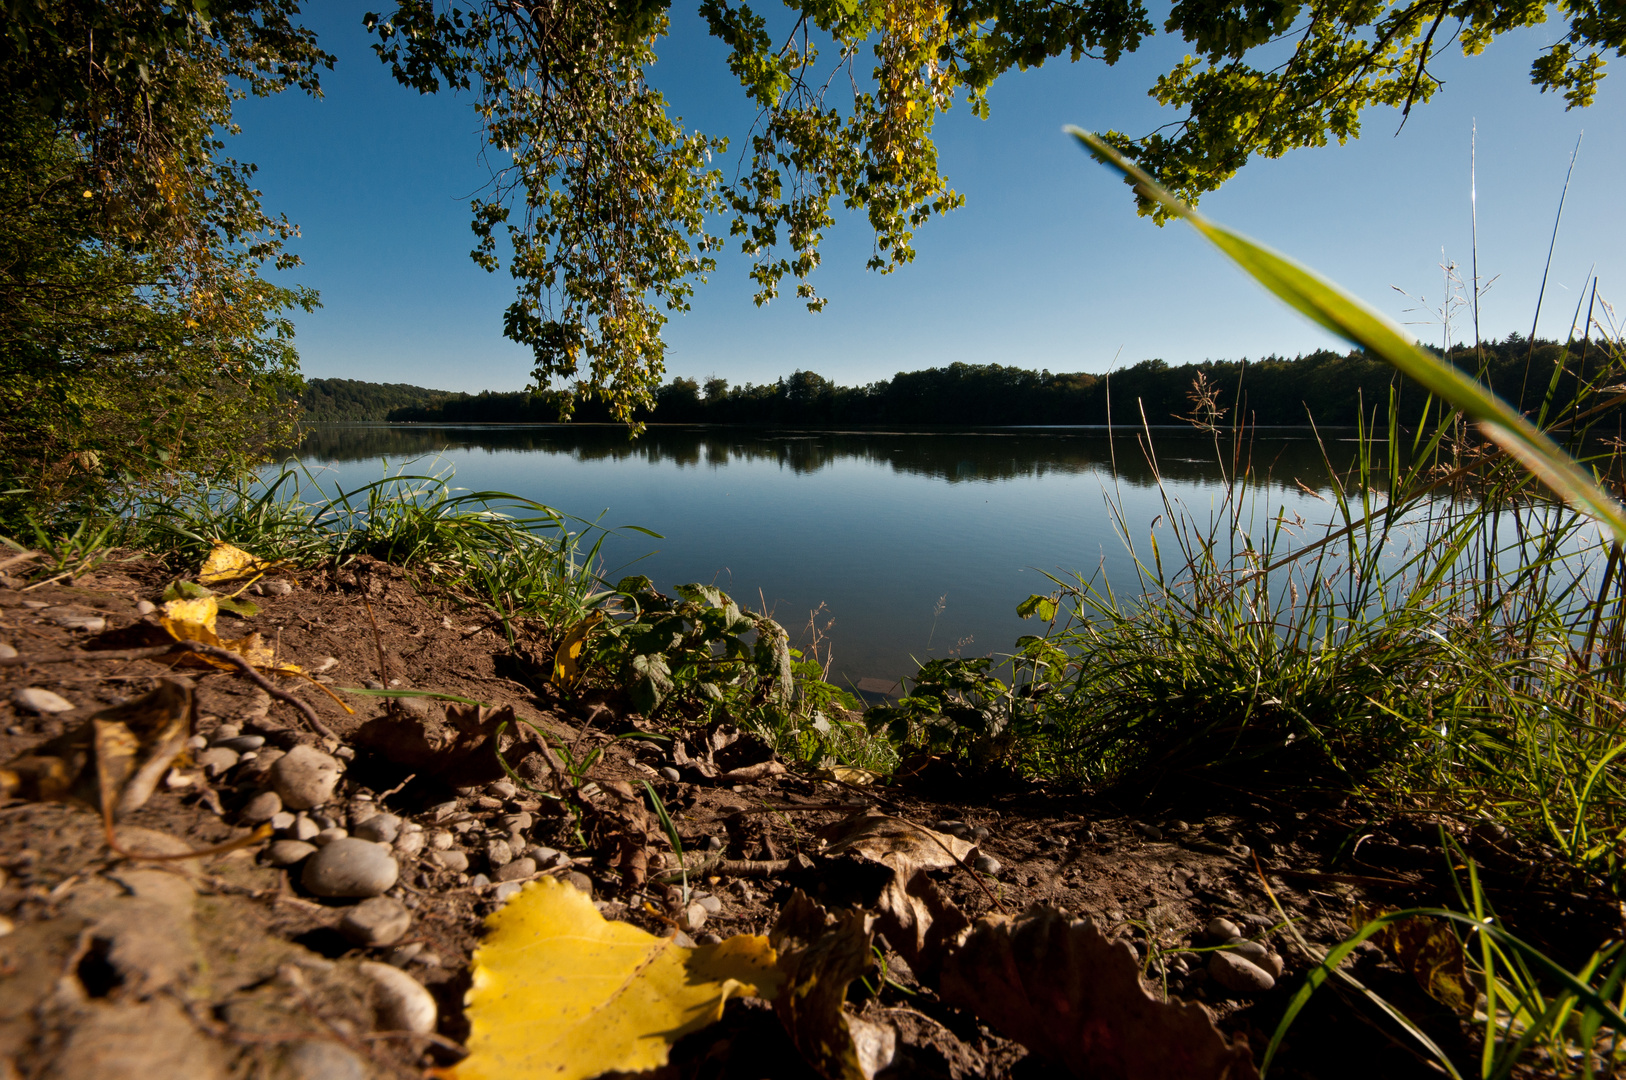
(622, 823)
(462, 746)
(920, 922)
(114, 760)
(885, 839)
(1432, 953)
(1061, 989)
(819, 957)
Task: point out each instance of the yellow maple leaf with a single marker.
(559, 992)
(192, 620)
(227, 563)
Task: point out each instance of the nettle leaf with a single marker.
(651, 681)
(1042, 606)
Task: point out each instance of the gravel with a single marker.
(289, 852)
(383, 828)
(35, 700)
(350, 867)
(399, 1001)
(304, 777)
(261, 808)
(514, 870)
(455, 861)
(376, 921)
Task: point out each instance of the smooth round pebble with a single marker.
(581, 881)
(408, 845)
(711, 903)
(513, 871)
(544, 857)
(376, 921)
(670, 773)
(217, 760)
(693, 918)
(7, 650)
(455, 861)
(305, 829)
(1272, 963)
(383, 828)
(289, 852)
(145, 607)
(242, 743)
(316, 1059)
(479, 881)
(507, 891)
(304, 777)
(196, 742)
(399, 1001)
(499, 854)
(36, 700)
(284, 820)
(261, 808)
(327, 836)
(1252, 950)
(1223, 929)
(986, 864)
(77, 620)
(1238, 975)
(441, 840)
(350, 867)
(502, 789)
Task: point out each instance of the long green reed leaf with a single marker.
(1331, 307)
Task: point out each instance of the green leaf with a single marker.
(1042, 606)
(243, 609)
(1331, 307)
(652, 681)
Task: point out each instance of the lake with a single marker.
(906, 545)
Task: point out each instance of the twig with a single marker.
(7, 564)
(47, 581)
(378, 643)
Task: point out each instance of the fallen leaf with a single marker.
(194, 620)
(113, 761)
(559, 992)
(1431, 952)
(885, 839)
(622, 823)
(227, 563)
(462, 747)
(922, 924)
(190, 590)
(819, 956)
(1060, 988)
(850, 775)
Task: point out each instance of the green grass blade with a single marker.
(1331, 307)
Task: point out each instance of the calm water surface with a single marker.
(915, 544)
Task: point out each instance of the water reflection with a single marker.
(1285, 456)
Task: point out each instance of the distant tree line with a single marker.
(1326, 386)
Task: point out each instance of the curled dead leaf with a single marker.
(819, 956)
(1431, 952)
(1060, 988)
(885, 839)
(922, 924)
(462, 746)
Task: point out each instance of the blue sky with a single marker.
(1047, 266)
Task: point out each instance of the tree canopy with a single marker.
(608, 202)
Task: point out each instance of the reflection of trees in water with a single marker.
(956, 457)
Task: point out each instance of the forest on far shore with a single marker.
(1323, 386)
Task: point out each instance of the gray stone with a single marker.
(304, 777)
(441, 840)
(499, 854)
(242, 743)
(402, 955)
(670, 773)
(409, 845)
(693, 918)
(455, 861)
(225, 731)
(196, 742)
(217, 761)
(317, 1059)
(1272, 963)
(36, 700)
(261, 808)
(381, 827)
(1238, 975)
(507, 891)
(1251, 950)
(145, 607)
(980, 833)
(283, 821)
(986, 864)
(581, 881)
(276, 587)
(1151, 832)
(305, 829)
(327, 836)
(412, 706)
(289, 852)
(1222, 929)
(503, 789)
(479, 881)
(544, 857)
(376, 921)
(400, 1002)
(7, 650)
(76, 620)
(711, 903)
(519, 822)
(350, 867)
(518, 868)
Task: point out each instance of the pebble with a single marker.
(283, 820)
(289, 852)
(383, 828)
(1151, 832)
(479, 881)
(455, 861)
(242, 743)
(1251, 950)
(507, 891)
(693, 917)
(1238, 975)
(326, 821)
(36, 700)
(441, 840)
(442, 811)
(377, 921)
(1177, 827)
(304, 777)
(145, 607)
(261, 808)
(350, 867)
(503, 789)
(980, 833)
(409, 845)
(7, 650)
(324, 665)
(1222, 929)
(544, 857)
(216, 761)
(318, 1059)
(519, 822)
(274, 587)
(196, 742)
(305, 828)
(955, 828)
(670, 773)
(77, 620)
(518, 868)
(400, 1001)
(225, 731)
(581, 881)
(986, 864)
(711, 903)
(402, 955)
(1273, 964)
(327, 836)
(499, 854)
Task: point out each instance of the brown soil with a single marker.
(228, 967)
